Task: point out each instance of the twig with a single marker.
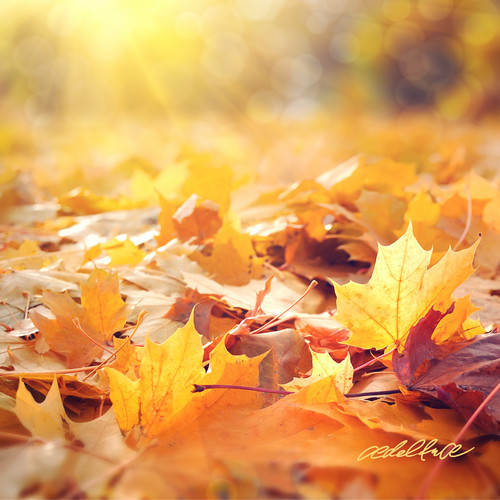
(27, 306)
(10, 312)
(434, 472)
(113, 354)
(275, 321)
(76, 322)
(368, 363)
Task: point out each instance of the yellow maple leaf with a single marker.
(229, 370)
(382, 213)
(124, 395)
(123, 252)
(145, 184)
(212, 183)
(165, 221)
(400, 292)
(328, 380)
(384, 176)
(167, 374)
(27, 256)
(425, 214)
(233, 260)
(162, 398)
(83, 202)
(423, 209)
(101, 314)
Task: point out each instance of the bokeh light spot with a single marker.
(455, 102)
(316, 24)
(401, 37)
(224, 57)
(301, 109)
(434, 10)
(371, 38)
(306, 70)
(411, 94)
(264, 106)
(63, 19)
(480, 28)
(188, 25)
(259, 10)
(345, 47)
(396, 10)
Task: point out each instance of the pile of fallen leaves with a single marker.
(135, 325)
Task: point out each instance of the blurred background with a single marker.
(273, 87)
(260, 60)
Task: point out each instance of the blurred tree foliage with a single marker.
(260, 61)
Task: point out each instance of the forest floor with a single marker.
(152, 276)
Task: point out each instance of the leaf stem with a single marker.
(276, 321)
(373, 393)
(76, 322)
(368, 363)
(91, 369)
(201, 388)
(127, 341)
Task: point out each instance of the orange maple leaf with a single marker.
(101, 314)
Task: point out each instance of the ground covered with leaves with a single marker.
(352, 278)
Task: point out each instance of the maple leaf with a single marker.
(196, 218)
(328, 381)
(384, 176)
(83, 201)
(165, 220)
(101, 314)
(232, 260)
(163, 397)
(123, 252)
(400, 292)
(273, 444)
(288, 355)
(381, 213)
(44, 420)
(210, 182)
(167, 372)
